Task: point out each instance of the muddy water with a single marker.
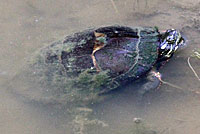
(28, 25)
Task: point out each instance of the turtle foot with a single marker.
(153, 81)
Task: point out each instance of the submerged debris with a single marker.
(137, 120)
(140, 127)
(196, 54)
(189, 64)
(82, 122)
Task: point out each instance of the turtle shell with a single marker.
(89, 63)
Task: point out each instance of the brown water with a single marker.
(27, 25)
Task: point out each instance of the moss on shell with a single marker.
(92, 81)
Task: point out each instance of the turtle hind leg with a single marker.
(152, 82)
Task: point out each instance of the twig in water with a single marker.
(158, 75)
(115, 7)
(169, 84)
(192, 69)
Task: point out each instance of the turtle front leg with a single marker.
(153, 81)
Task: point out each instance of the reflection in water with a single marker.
(29, 25)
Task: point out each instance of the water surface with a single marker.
(28, 25)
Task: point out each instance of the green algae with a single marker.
(100, 80)
(82, 42)
(102, 40)
(92, 82)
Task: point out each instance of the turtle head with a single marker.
(171, 41)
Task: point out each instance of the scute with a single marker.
(148, 52)
(146, 55)
(118, 55)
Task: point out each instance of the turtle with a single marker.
(83, 66)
